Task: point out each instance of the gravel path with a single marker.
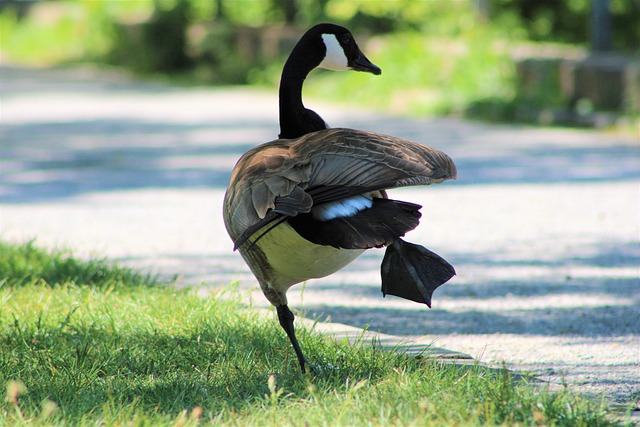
(542, 225)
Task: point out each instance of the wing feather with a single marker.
(288, 177)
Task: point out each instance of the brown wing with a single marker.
(284, 178)
(353, 158)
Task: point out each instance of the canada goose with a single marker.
(327, 46)
(306, 207)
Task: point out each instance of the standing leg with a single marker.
(285, 316)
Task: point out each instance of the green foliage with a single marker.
(55, 31)
(106, 353)
(570, 21)
(437, 57)
(249, 12)
(58, 33)
(221, 59)
(424, 75)
(156, 45)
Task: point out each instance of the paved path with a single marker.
(542, 225)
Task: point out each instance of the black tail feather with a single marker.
(382, 224)
(413, 272)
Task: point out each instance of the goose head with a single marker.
(341, 52)
(328, 46)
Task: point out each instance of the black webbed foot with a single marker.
(413, 272)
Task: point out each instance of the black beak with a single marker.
(363, 64)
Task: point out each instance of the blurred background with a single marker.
(573, 62)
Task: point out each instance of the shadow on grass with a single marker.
(110, 338)
(113, 354)
(219, 366)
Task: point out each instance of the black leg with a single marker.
(285, 316)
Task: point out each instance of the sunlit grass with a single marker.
(85, 343)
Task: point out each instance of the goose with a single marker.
(307, 204)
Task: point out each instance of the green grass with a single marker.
(88, 343)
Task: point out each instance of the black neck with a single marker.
(295, 119)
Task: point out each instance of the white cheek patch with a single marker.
(342, 208)
(335, 59)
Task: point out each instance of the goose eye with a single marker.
(346, 38)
